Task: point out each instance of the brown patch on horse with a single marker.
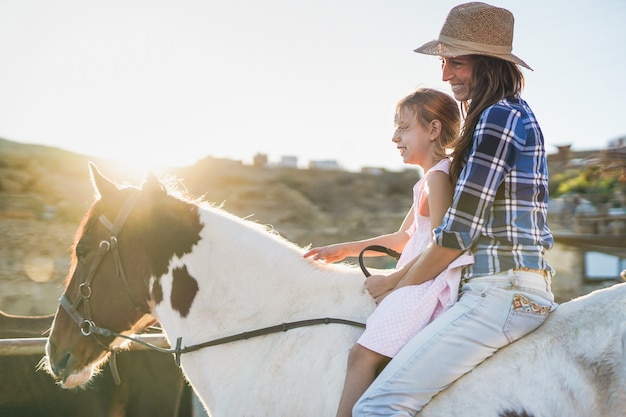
(184, 290)
(172, 229)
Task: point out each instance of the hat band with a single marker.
(475, 47)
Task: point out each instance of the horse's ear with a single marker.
(153, 184)
(102, 185)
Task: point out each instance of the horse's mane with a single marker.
(174, 187)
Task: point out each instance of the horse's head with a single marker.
(107, 290)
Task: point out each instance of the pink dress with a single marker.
(407, 310)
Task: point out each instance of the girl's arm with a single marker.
(438, 191)
(340, 251)
(435, 259)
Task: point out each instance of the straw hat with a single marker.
(475, 29)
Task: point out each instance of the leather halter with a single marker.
(86, 323)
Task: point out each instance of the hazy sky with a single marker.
(170, 82)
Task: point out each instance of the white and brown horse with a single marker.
(144, 254)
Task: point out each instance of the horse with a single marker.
(260, 331)
(148, 385)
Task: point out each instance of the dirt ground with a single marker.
(34, 261)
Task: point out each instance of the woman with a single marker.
(498, 212)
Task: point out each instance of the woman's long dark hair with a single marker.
(492, 80)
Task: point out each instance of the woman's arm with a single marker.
(426, 266)
(437, 197)
(433, 261)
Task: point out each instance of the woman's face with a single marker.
(458, 71)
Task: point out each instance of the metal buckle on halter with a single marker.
(104, 246)
(84, 290)
(87, 327)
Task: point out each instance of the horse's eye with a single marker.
(81, 251)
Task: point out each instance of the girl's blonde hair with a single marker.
(426, 105)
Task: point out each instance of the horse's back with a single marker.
(574, 365)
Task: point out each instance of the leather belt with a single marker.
(541, 272)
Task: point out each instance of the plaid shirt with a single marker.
(499, 211)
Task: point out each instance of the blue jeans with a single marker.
(492, 312)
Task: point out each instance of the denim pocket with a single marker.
(525, 315)
(523, 304)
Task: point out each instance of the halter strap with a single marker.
(86, 324)
(115, 228)
(122, 215)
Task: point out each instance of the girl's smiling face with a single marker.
(412, 139)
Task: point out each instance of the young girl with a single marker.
(427, 121)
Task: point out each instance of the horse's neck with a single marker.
(249, 278)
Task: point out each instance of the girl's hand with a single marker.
(330, 253)
(379, 286)
(380, 298)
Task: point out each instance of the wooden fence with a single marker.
(36, 345)
(601, 224)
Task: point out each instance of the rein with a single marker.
(376, 248)
(88, 327)
(178, 350)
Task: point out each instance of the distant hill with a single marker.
(45, 191)
(284, 197)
